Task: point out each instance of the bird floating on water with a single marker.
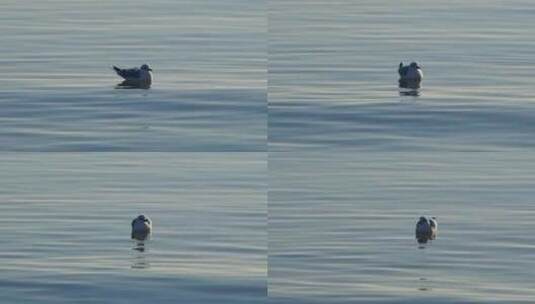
(426, 229)
(135, 77)
(141, 227)
(410, 75)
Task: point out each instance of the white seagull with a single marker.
(141, 227)
(410, 75)
(426, 229)
(136, 77)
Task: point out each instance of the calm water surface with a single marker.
(333, 75)
(57, 86)
(66, 228)
(342, 228)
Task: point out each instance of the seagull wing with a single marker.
(127, 73)
(403, 70)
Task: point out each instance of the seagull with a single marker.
(426, 229)
(410, 76)
(136, 77)
(141, 227)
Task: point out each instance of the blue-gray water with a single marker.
(340, 225)
(333, 75)
(66, 228)
(57, 86)
(341, 228)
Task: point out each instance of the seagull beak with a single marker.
(150, 69)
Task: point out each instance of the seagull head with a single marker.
(146, 67)
(141, 219)
(414, 65)
(422, 220)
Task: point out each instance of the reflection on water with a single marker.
(414, 93)
(409, 88)
(125, 84)
(424, 239)
(424, 285)
(140, 260)
(422, 243)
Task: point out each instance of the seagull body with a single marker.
(434, 225)
(426, 229)
(136, 77)
(141, 227)
(412, 72)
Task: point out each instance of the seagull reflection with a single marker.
(424, 285)
(128, 85)
(140, 260)
(409, 88)
(140, 246)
